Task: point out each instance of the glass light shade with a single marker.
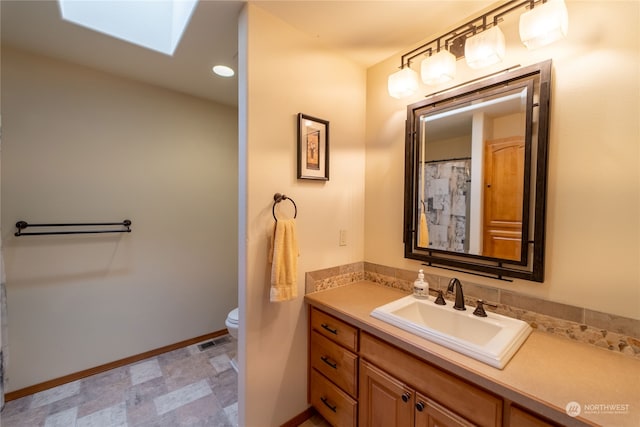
(438, 68)
(485, 48)
(403, 83)
(544, 24)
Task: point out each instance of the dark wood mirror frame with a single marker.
(530, 265)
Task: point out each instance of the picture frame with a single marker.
(313, 148)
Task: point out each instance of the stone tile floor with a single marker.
(184, 387)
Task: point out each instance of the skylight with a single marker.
(153, 24)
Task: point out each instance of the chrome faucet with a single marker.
(459, 304)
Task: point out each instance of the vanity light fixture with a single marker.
(480, 41)
(544, 24)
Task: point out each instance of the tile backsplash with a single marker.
(609, 331)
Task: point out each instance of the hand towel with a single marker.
(284, 261)
(423, 231)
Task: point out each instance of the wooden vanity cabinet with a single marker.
(357, 379)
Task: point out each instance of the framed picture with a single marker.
(313, 148)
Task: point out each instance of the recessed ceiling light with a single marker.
(223, 71)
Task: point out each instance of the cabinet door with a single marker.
(430, 414)
(384, 401)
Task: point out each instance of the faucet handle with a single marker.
(479, 311)
(440, 298)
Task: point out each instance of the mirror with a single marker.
(475, 176)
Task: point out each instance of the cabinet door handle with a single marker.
(329, 328)
(329, 405)
(420, 406)
(406, 396)
(329, 362)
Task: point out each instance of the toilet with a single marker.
(232, 326)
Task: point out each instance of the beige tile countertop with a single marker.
(545, 375)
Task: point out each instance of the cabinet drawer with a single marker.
(472, 403)
(332, 403)
(520, 418)
(335, 362)
(334, 329)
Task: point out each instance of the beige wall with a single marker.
(81, 145)
(593, 214)
(286, 72)
(452, 148)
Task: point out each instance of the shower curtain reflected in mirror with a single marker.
(446, 197)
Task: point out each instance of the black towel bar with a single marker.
(21, 225)
(277, 198)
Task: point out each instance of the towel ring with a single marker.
(277, 198)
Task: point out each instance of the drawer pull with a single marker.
(329, 405)
(329, 329)
(406, 396)
(420, 406)
(329, 362)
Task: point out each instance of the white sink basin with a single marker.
(493, 339)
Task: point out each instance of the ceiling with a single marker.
(366, 31)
